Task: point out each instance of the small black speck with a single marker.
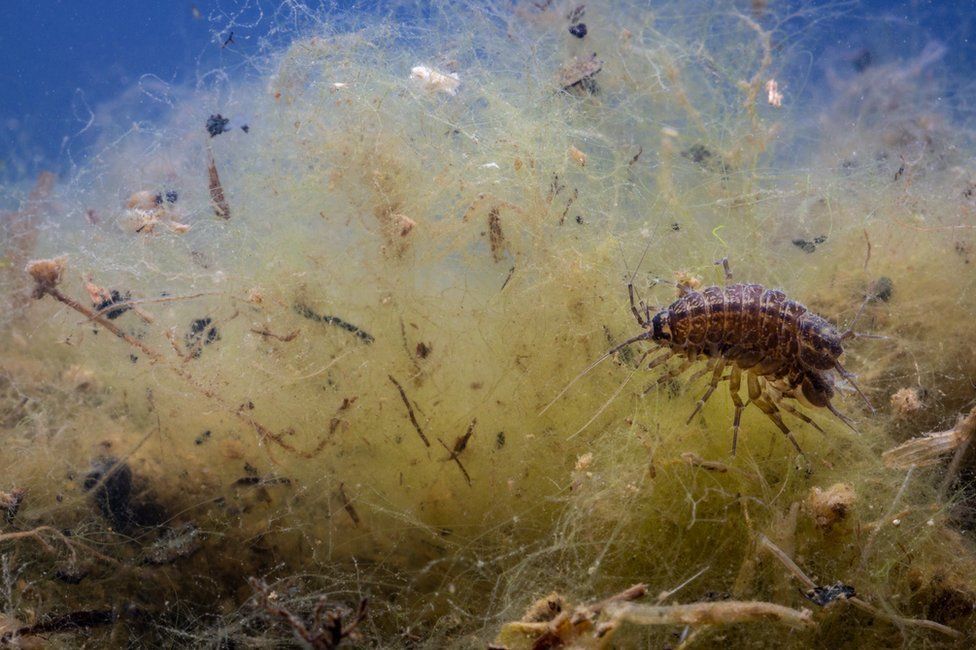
(217, 124)
(579, 219)
(245, 128)
(203, 437)
(133, 358)
(862, 60)
(578, 30)
(819, 239)
(500, 440)
(172, 196)
(676, 226)
(804, 245)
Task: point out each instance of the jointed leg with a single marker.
(716, 377)
(633, 307)
(671, 373)
(728, 270)
(800, 414)
(767, 407)
(735, 381)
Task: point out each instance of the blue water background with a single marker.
(60, 59)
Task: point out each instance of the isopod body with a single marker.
(784, 350)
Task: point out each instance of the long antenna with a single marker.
(640, 337)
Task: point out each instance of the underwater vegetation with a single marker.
(308, 358)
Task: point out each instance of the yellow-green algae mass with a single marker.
(327, 362)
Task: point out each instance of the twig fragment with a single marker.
(410, 413)
(347, 505)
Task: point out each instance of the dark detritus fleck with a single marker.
(217, 124)
(578, 30)
(172, 196)
(862, 60)
(809, 246)
(173, 545)
(347, 505)
(202, 438)
(201, 333)
(675, 226)
(309, 313)
(410, 413)
(115, 298)
(423, 350)
(499, 440)
(882, 289)
(496, 238)
(825, 595)
(707, 159)
(576, 14)
(113, 488)
(579, 219)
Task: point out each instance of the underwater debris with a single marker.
(329, 626)
(203, 437)
(931, 447)
(815, 590)
(831, 506)
(434, 81)
(460, 444)
(578, 156)
(496, 238)
(823, 596)
(110, 304)
(174, 544)
(111, 483)
(809, 246)
(347, 504)
(202, 332)
(46, 274)
(578, 75)
(10, 503)
(309, 313)
(284, 338)
(881, 289)
(145, 210)
(217, 124)
(71, 622)
(773, 96)
(578, 30)
(707, 159)
(906, 402)
(410, 413)
(218, 201)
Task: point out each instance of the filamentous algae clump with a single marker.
(327, 380)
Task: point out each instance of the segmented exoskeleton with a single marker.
(784, 350)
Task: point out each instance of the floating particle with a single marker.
(173, 545)
(773, 95)
(578, 74)
(675, 226)
(862, 60)
(703, 156)
(578, 156)
(172, 196)
(245, 128)
(499, 440)
(831, 506)
(435, 81)
(906, 402)
(809, 246)
(203, 437)
(578, 30)
(217, 124)
(579, 219)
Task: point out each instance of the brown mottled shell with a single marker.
(578, 71)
